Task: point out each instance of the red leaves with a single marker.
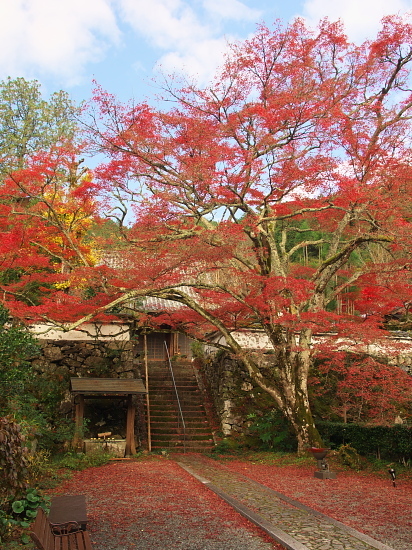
(366, 502)
(363, 389)
(47, 208)
(155, 502)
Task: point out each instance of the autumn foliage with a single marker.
(276, 199)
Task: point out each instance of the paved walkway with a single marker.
(289, 522)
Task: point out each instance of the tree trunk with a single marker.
(288, 387)
(297, 412)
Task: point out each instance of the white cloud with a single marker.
(59, 40)
(54, 37)
(361, 17)
(200, 62)
(166, 24)
(193, 45)
(231, 9)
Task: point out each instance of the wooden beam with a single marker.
(131, 413)
(79, 418)
(146, 368)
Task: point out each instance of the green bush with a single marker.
(349, 456)
(226, 446)
(272, 431)
(387, 442)
(39, 466)
(80, 461)
(17, 347)
(19, 514)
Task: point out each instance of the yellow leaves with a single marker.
(93, 256)
(62, 286)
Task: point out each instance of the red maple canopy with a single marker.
(277, 199)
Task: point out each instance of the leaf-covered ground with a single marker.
(154, 504)
(365, 501)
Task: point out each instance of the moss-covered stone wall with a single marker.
(113, 359)
(233, 393)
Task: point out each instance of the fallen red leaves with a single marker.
(156, 504)
(368, 503)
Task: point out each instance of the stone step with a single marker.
(166, 374)
(174, 412)
(172, 418)
(191, 446)
(179, 429)
(161, 388)
(166, 427)
(189, 407)
(184, 406)
(166, 384)
(159, 438)
(180, 449)
(190, 423)
(170, 396)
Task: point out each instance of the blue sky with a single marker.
(65, 44)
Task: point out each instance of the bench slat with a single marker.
(83, 541)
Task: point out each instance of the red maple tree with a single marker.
(361, 389)
(299, 149)
(46, 211)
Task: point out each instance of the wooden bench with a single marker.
(68, 508)
(63, 536)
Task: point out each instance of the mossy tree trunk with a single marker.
(286, 382)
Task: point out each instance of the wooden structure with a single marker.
(83, 388)
(66, 536)
(177, 344)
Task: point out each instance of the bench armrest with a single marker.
(59, 529)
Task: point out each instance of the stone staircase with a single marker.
(167, 431)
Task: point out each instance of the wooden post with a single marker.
(78, 433)
(146, 367)
(173, 344)
(131, 413)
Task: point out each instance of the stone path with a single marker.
(296, 526)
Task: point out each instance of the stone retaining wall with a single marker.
(233, 393)
(72, 358)
(235, 396)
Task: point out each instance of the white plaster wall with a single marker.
(398, 345)
(88, 331)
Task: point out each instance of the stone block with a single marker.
(116, 447)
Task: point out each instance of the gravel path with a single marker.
(368, 503)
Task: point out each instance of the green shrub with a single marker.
(348, 456)
(39, 466)
(392, 443)
(25, 509)
(80, 461)
(17, 347)
(19, 514)
(226, 446)
(6, 525)
(272, 431)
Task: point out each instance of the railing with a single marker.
(180, 417)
